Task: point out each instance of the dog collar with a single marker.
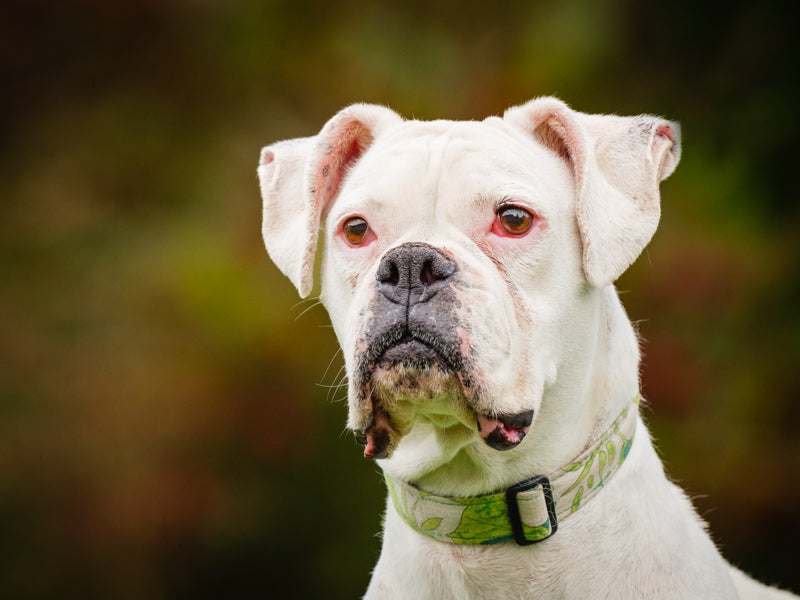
(527, 512)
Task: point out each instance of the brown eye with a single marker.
(355, 230)
(514, 220)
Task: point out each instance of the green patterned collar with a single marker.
(528, 512)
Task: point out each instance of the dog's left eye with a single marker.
(355, 230)
(514, 220)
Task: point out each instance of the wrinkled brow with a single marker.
(367, 205)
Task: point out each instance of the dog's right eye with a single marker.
(355, 230)
(513, 221)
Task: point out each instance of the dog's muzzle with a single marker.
(409, 277)
(416, 330)
(414, 319)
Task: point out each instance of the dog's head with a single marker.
(459, 257)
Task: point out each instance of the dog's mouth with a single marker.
(499, 432)
(407, 370)
(413, 352)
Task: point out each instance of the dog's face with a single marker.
(459, 255)
(450, 248)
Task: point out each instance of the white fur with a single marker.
(539, 313)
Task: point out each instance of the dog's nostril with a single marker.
(426, 276)
(388, 272)
(434, 269)
(394, 274)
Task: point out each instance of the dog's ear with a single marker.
(301, 177)
(286, 221)
(618, 163)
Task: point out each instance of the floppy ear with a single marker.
(618, 163)
(285, 220)
(299, 178)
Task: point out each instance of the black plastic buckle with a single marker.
(513, 508)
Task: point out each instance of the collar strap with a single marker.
(527, 512)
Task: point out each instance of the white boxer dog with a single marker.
(468, 271)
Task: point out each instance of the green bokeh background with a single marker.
(170, 425)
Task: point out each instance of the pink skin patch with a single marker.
(504, 433)
(666, 131)
(267, 157)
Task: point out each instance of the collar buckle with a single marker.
(533, 500)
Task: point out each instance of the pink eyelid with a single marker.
(369, 237)
(497, 229)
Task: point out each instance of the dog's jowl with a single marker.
(468, 270)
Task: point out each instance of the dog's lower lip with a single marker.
(506, 431)
(377, 437)
(410, 349)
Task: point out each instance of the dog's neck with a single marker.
(451, 461)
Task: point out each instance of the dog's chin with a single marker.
(407, 382)
(412, 382)
(410, 371)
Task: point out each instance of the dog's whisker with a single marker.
(339, 379)
(339, 400)
(303, 301)
(329, 386)
(342, 382)
(317, 302)
(330, 363)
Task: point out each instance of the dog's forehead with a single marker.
(452, 142)
(446, 159)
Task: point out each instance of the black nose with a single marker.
(413, 273)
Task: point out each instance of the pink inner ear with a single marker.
(666, 131)
(352, 141)
(267, 157)
(353, 152)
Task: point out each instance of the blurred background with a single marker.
(170, 425)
